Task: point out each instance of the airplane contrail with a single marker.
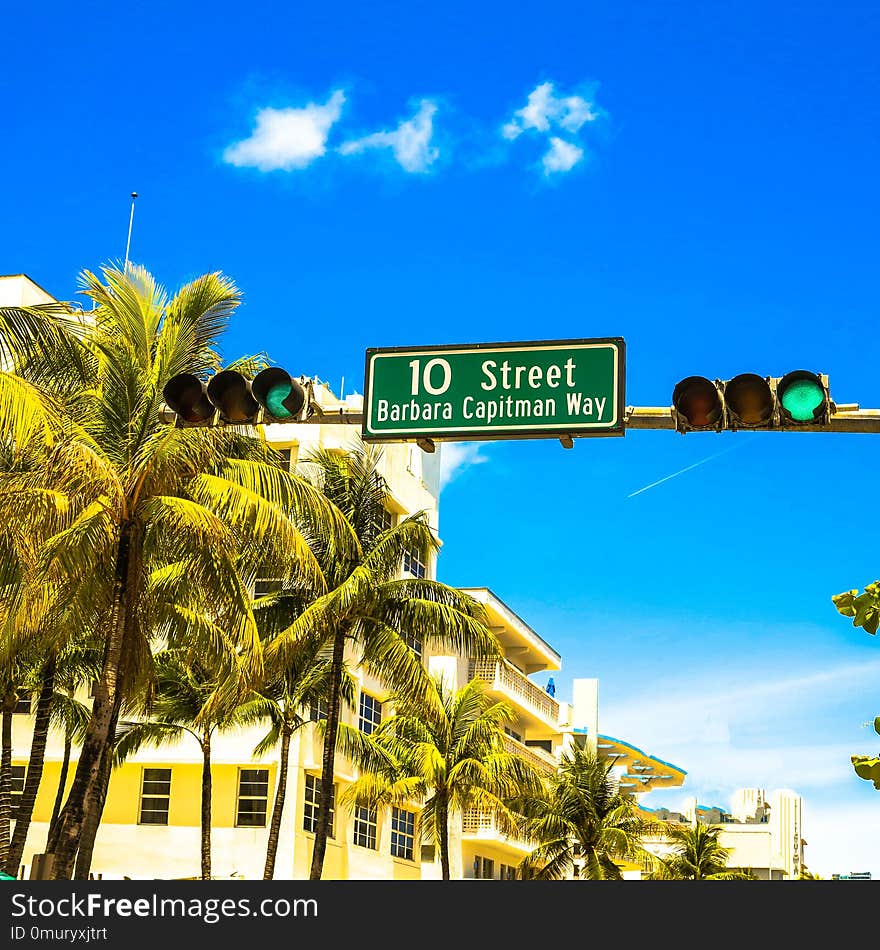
(695, 465)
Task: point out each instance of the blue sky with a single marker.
(699, 179)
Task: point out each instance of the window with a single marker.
(155, 796)
(506, 872)
(318, 710)
(403, 825)
(253, 794)
(16, 789)
(369, 714)
(286, 456)
(266, 585)
(484, 868)
(413, 643)
(365, 822)
(512, 734)
(24, 702)
(312, 801)
(413, 564)
(384, 520)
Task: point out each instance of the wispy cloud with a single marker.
(456, 457)
(732, 734)
(410, 142)
(286, 139)
(544, 111)
(561, 156)
(293, 138)
(550, 117)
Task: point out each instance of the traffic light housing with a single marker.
(799, 400)
(230, 398)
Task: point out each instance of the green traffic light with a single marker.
(275, 401)
(802, 398)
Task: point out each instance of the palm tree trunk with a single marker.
(6, 774)
(278, 805)
(62, 784)
(92, 818)
(443, 835)
(105, 710)
(34, 773)
(206, 807)
(322, 828)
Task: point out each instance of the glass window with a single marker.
(318, 710)
(403, 826)
(155, 796)
(369, 714)
(16, 788)
(24, 702)
(312, 800)
(413, 643)
(413, 564)
(253, 795)
(484, 868)
(266, 585)
(384, 520)
(365, 824)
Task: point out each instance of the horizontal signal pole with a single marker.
(845, 418)
(322, 417)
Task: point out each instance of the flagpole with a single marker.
(130, 222)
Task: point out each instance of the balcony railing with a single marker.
(505, 678)
(538, 759)
(479, 824)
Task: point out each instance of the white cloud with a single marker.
(410, 141)
(696, 715)
(562, 156)
(543, 110)
(456, 457)
(284, 139)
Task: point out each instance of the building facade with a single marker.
(151, 822)
(762, 833)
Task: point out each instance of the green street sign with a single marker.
(483, 391)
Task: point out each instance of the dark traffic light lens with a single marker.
(749, 399)
(801, 395)
(696, 399)
(185, 394)
(230, 393)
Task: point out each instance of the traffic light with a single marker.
(798, 400)
(229, 398)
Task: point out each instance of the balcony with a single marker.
(540, 760)
(483, 826)
(507, 680)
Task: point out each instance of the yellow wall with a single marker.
(124, 794)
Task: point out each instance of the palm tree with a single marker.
(367, 607)
(12, 675)
(448, 756)
(138, 514)
(301, 685)
(696, 856)
(186, 704)
(42, 710)
(72, 718)
(584, 825)
(49, 677)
